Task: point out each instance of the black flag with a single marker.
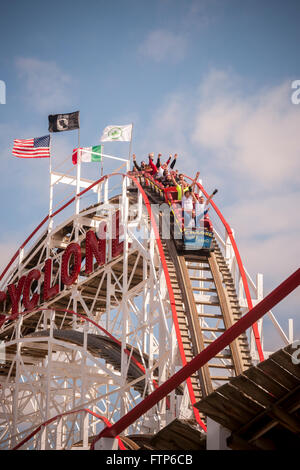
(63, 122)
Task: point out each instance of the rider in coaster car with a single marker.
(201, 208)
(158, 169)
(142, 167)
(162, 170)
(181, 185)
(167, 181)
(176, 175)
(187, 206)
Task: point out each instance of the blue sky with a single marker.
(208, 79)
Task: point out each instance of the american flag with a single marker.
(32, 148)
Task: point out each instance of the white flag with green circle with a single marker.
(117, 134)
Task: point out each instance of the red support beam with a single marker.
(283, 290)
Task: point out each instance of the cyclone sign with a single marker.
(21, 292)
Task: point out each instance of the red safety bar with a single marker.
(283, 290)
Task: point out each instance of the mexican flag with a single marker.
(87, 154)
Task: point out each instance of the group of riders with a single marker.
(194, 205)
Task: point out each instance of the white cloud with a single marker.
(161, 45)
(278, 212)
(46, 86)
(277, 256)
(255, 137)
(253, 142)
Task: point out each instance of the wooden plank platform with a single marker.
(261, 407)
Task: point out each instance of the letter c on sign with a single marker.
(30, 303)
(69, 278)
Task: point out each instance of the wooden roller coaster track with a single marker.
(201, 281)
(205, 302)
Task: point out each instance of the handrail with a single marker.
(61, 415)
(164, 265)
(240, 265)
(279, 293)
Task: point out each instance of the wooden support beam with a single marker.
(227, 313)
(285, 419)
(235, 442)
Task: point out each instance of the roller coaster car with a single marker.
(198, 239)
(188, 238)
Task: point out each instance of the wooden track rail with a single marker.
(206, 305)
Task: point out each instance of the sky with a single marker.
(208, 79)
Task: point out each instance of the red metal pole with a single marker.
(284, 289)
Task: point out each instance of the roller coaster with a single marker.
(102, 305)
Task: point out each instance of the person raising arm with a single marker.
(153, 167)
(181, 186)
(187, 206)
(142, 167)
(174, 160)
(162, 167)
(201, 207)
(195, 180)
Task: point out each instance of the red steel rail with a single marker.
(279, 293)
(67, 413)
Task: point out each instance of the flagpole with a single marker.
(101, 174)
(50, 223)
(130, 148)
(50, 171)
(78, 172)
